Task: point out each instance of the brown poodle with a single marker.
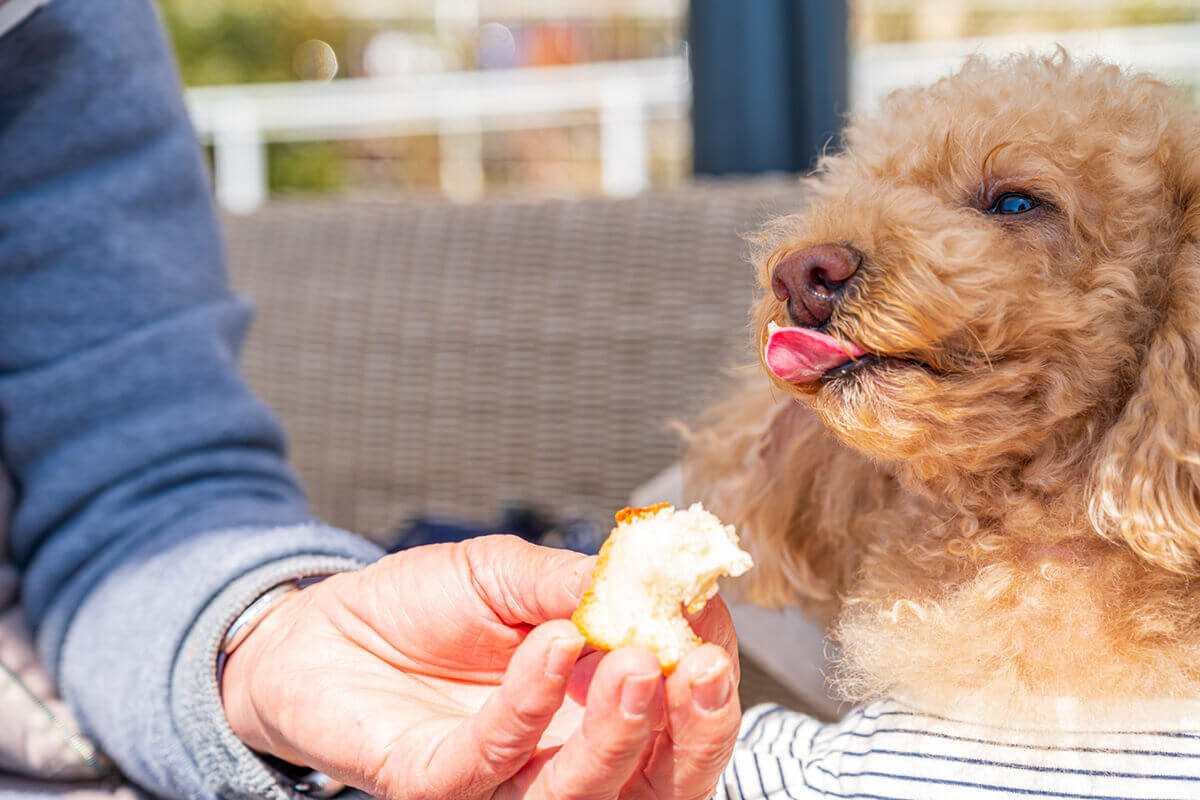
(981, 464)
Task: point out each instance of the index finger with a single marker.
(525, 583)
(714, 624)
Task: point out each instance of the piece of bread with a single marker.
(656, 562)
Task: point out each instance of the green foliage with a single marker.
(249, 41)
(305, 166)
(245, 41)
(1150, 13)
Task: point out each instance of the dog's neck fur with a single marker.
(1031, 606)
(988, 586)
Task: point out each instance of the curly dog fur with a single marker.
(1006, 507)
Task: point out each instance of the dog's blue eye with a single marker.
(1013, 203)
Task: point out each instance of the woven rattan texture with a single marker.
(427, 356)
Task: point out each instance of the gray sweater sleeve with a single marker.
(152, 497)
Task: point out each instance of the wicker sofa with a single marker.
(433, 357)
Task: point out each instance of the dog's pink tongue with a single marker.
(800, 355)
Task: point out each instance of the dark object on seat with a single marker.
(528, 522)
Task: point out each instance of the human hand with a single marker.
(450, 671)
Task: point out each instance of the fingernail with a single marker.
(637, 692)
(561, 658)
(711, 691)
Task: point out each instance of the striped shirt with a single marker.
(887, 751)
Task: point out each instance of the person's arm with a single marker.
(153, 505)
(152, 498)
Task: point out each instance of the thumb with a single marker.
(524, 583)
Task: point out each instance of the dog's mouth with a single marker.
(804, 355)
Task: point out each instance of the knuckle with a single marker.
(525, 717)
(710, 756)
(501, 751)
(531, 709)
(518, 722)
(509, 739)
(603, 755)
(614, 751)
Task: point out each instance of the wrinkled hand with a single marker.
(450, 671)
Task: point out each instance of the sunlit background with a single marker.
(474, 98)
(469, 360)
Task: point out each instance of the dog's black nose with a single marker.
(810, 280)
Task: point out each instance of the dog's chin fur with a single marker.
(1005, 509)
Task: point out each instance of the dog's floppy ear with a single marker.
(1146, 482)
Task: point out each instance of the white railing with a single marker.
(1171, 51)
(239, 120)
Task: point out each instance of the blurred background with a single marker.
(489, 251)
(475, 98)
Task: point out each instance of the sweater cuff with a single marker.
(139, 659)
(230, 768)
